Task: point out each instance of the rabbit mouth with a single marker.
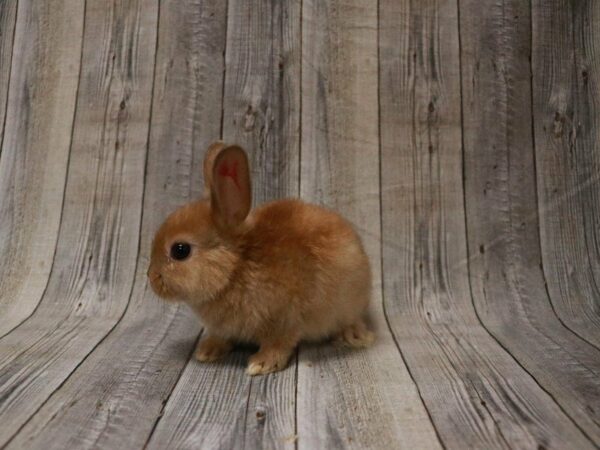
(160, 287)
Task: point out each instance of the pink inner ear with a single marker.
(231, 171)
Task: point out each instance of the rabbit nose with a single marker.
(151, 273)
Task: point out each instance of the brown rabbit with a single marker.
(284, 273)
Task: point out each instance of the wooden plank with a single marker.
(262, 92)
(477, 395)
(8, 18)
(566, 60)
(46, 55)
(114, 399)
(504, 247)
(261, 112)
(350, 399)
(95, 262)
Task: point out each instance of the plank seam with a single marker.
(299, 195)
(296, 400)
(12, 52)
(381, 263)
(244, 434)
(300, 58)
(168, 397)
(224, 69)
(300, 112)
(468, 262)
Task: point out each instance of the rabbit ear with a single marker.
(231, 193)
(209, 161)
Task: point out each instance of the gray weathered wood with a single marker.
(261, 113)
(115, 397)
(477, 395)
(8, 18)
(566, 61)
(261, 109)
(504, 247)
(486, 299)
(356, 398)
(35, 145)
(91, 280)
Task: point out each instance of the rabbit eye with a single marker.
(180, 250)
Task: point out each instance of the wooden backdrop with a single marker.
(460, 136)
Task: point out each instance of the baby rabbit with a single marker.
(283, 273)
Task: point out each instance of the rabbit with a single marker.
(286, 272)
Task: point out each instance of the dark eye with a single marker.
(180, 250)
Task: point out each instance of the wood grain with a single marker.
(477, 395)
(566, 60)
(261, 108)
(8, 19)
(350, 399)
(260, 112)
(91, 280)
(115, 397)
(459, 136)
(506, 276)
(35, 144)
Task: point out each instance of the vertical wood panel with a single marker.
(566, 61)
(114, 399)
(504, 247)
(477, 395)
(262, 92)
(476, 337)
(8, 18)
(35, 146)
(261, 113)
(350, 399)
(91, 280)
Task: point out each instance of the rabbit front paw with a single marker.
(212, 348)
(268, 360)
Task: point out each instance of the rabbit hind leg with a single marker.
(356, 335)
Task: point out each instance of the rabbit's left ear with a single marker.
(209, 161)
(231, 192)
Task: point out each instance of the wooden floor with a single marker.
(462, 137)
